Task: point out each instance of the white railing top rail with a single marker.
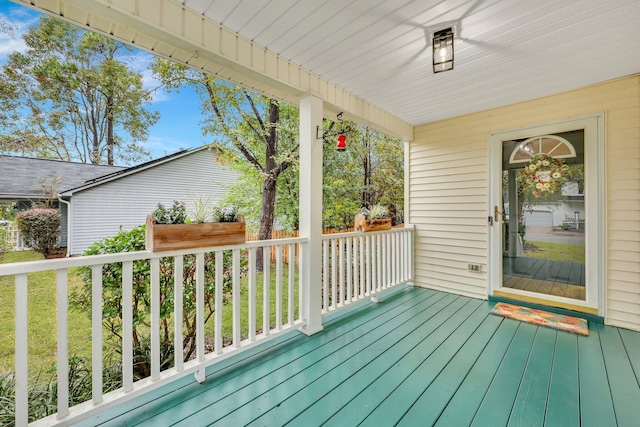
(329, 236)
(83, 261)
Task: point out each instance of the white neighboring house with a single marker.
(98, 208)
(22, 179)
(568, 211)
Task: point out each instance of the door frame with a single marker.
(595, 250)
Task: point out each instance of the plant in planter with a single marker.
(374, 219)
(170, 229)
(176, 214)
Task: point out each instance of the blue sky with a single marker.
(179, 124)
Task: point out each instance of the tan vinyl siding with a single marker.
(99, 211)
(448, 163)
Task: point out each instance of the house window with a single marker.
(552, 145)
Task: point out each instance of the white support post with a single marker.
(311, 211)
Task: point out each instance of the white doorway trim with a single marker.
(594, 162)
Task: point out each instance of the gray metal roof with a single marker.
(20, 177)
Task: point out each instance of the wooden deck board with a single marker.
(232, 403)
(429, 365)
(529, 406)
(622, 380)
(419, 357)
(463, 405)
(442, 389)
(563, 404)
(631, 341)
(596, 405)
(310, 405)
(499, 398)
(410, 350)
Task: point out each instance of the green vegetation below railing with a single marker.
(42, 316)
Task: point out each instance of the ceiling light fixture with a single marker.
(443, 50)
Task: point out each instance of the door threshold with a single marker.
(546, 304)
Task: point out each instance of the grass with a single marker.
(554, 251)
(227, 311)
(42, 318)
(43, 323)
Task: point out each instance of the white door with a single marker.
(535, 171)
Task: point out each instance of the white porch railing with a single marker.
(359, 265)
(355, 266)
(258, 329)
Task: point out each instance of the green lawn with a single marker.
(554, 251)
(42, 318)
(42, 315)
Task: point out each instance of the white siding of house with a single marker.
(448, 163)
(99, 211)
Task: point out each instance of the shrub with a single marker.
(40, 229)
(134, 240)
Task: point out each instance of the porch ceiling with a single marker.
(505, 51)
(380, 50)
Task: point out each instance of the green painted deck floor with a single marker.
(417, 358)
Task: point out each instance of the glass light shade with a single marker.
(443, 50)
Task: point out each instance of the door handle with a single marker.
(497, 214)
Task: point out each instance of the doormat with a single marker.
(542, 318)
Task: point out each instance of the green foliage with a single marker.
(370, 172)
(176, 214)
(259, 137)
(43, 390)
(70, 95)
(256, 134)
(202, 210)
(226, 214)
(8, 211)
(40, 229)
(4, 243)
(134, 240)
(377, 211)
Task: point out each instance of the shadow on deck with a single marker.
(418, 357)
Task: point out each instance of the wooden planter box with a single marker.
(169, 237)
(363, 224)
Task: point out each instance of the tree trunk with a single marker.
(110, 140)
(267, 212)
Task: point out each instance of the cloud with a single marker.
(9, 45)
(140, 62)
(16, 20)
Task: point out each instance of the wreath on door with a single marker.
(543, 176)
